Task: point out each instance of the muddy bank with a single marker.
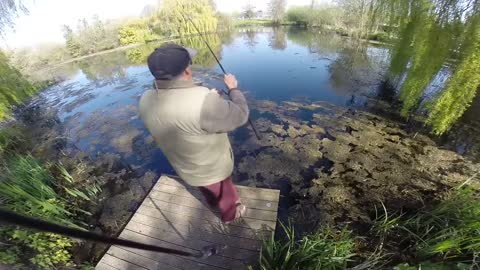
(334, 165)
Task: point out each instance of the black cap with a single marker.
(169, 61)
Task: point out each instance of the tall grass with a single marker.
(327, 249)
(26, 187)
(441, 236)
(451, 229)
(10, 139)
(448, 232)
(45, 191)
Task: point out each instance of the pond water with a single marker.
(97, 101)
(331, 142)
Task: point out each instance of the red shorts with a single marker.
(224, 196)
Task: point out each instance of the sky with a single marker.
(43, 22)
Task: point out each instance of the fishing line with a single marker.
(221, 67)
(41, 225)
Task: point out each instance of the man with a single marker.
(190, 124)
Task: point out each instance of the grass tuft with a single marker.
(327, 249)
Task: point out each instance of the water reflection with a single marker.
(250, 38)
(98, 104)
(278, 39)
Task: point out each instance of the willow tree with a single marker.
(463, 85)
(432, 35)
(172, 18)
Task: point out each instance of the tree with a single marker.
(170, 20)
(70, 42)
(278, 39)
(432, 33)
(248, 11)
(148, 11)
(8, 10)
(90, 37)
(276, 9)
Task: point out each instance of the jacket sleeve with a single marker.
(219, 115)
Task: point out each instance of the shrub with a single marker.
(378, 36)
(136, 31)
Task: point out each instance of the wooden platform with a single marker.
(175, 215)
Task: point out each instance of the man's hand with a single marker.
(230, 81)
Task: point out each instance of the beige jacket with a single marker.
(189, 124)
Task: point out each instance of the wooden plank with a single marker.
(190, 263)
(179, 219)
(103, 266)
(171, 201)
(230, 251)
(192, 213)
(138, 259)
(189, 231)
(249, 193)
(119, 263)
(173, 260)
(198, 197)
(175, 215)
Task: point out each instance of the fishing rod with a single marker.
(45, 226)
(221, 67)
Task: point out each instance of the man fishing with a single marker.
(190, 123)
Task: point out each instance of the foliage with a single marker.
(448, 232)
(136, 31)
(431, 34)
(462, 86)
(51, 250)
(300, 15)
(248, 11)
(224, 22)
(27, 188)
(90, 37)
(8, 10)
(170, 21)
(253, 22)
(325, 249)
(433, 266)
(14, 88)
(10, 139)
(425, 62)
(35, 64)
(276, 9)
(45, 191)
(320, 16)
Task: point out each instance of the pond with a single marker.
(330, 143)
(97, 101)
